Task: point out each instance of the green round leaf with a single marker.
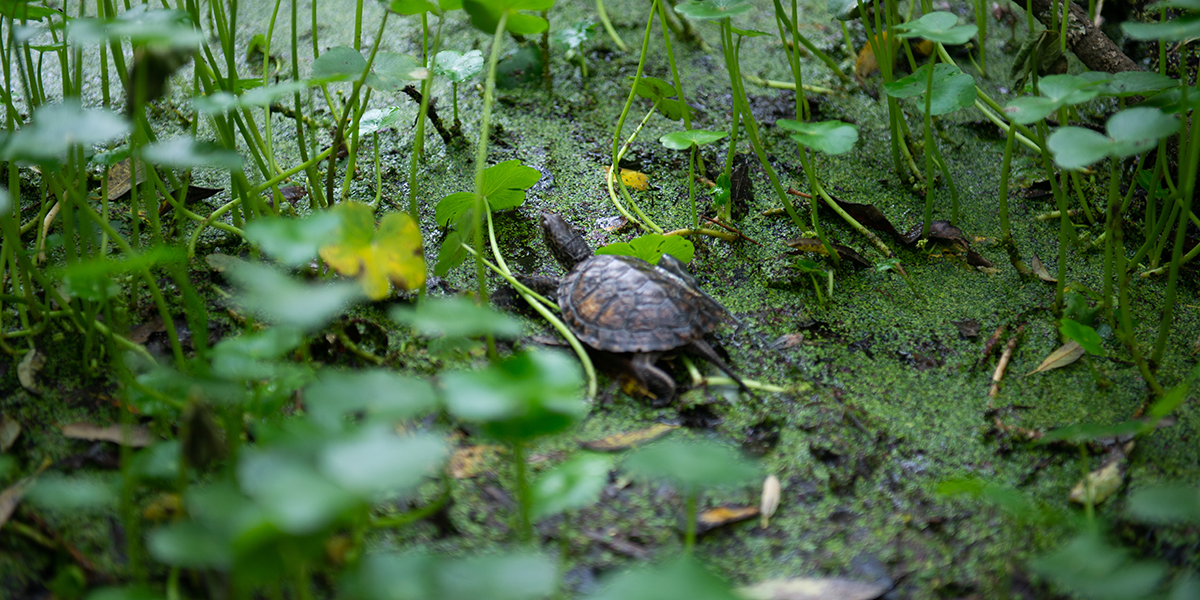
(712, 10)
(1134, 83)
(339, 63)
(376, 461)
(186, 152)
(456, 316)
(681, 579)
(1175, 30)
(952, 89)
(940, 27)
(830, 137)
(1141, 124)
(682, 140)
(1166, 504)
(293, 242)
(843, 10)
(1084, 335)
(458, 67)
(653, 88)
(1076, 147)
(412, 7)
(190, 545)
(58, 127)
(285, 301)
(70, 494)
(650, 247)
(391, 71)
(379, 395)
(295, 498)
(574, 484)
(692, 464)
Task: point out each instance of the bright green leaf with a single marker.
(339, 63)
(376, 461)
(190, 545)
(680, 579)
(952, 89)
(1086, 432)
(830, 137)
(58, 127)
(412, 7)
(682, 140)
(653, 88)
(378, 119)
(1084, 335)
(1166, 504)
(651, 247)
(285, 301)
(391, 71)
(572, 485)
(72, 494)
(712, 10)
(456, 316)
(186, 152)
(294, 496)
(692, 464)
(291, 241)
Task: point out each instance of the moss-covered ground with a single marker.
(891, 400)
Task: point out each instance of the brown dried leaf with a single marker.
(141, 333)
(967, 328)
(723, 515)
(469, 462)
(120, 178)
(1040, 270)
(803, 588)
(28, 369)
(770, 498)
(870, 217)
(624, 441)
(815, 246)
(9, 430)
(1063, 356)
(11, 497)
(136, 436)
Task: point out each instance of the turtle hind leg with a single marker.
(702, 349)
(655, 380)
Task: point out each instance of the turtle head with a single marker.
(567, 246)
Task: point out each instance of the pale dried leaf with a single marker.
(723, 515)
(469, 462)
(1104, 482)
(1065, 355)
(120, 178)
(624, 441)
(1040, 270)
(9, 430)
(803, 588)
(11, 497)
(770, 498)
(28, 369)
(136, 436)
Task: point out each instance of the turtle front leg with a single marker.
(656, 380)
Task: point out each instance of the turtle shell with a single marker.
(624, 304)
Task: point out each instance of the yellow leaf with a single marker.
(624, 441)
(635, 179)
(723, 515)
(393, 255)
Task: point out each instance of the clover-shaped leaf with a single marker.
(651, 247)
(952, 89)
(830, 137)
(393, 254)
(293, 242)
(572, 37)
(712, 10)
(682, 140)
(285, 301)
(527, 396)
(458, 67)
(504, 187)
(1131, 131)
(654, 88)
(939, 27)
(692, 465)
(412, 7)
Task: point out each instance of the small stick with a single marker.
(991, 343)
(1003, 364)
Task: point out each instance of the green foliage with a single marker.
(186, 152)
(651, 246)
(1176, 29)
(1084, 335)
(375, 396)
(391, 71)
(952, 89)
(1091, 567)
(504, 186)
(830, 137)
(141, 26)
(458, 67)
(680, 579)
(527, 396)
(57, 128)
(713, 10)
(514, 576)
(941, 27)
(456, 317)
(692, 465)
(282, 300)
(485, 15)
(294, 242)
(340, 63)
(571, 485)
(1056, 91)
(683, 140)
(1131, 131)
(1166, 504)
(72, 494)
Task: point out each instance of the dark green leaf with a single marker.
(1166, 504)
(282, 300)
(830, 137)
(124, 593)
(72, 494)
(1076, 147)
(653, 88)
(1134, 83)
(452, 253)
(1089, 567)
(485, 15)
(952, 89)
(412, 7)
(452, 207)
(1174, 30)
(940, 27)
(159, 462)
(843, 10)
(294, 496)
(1087, 432)
(190, 545)
(1055, 91)
(423, 577)
(651, 246)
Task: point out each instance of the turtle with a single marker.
(627, 306)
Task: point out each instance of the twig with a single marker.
(447, 137)
(1003, 364)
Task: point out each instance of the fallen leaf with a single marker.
(9, 430)
(120, 178)
(28, 369)
(635, 179)
(624, 441)
(723, 515)
(770, 498)
(1104, 482)
(1063, 356)
(787, 340)
(968, 329)
(815, 246)
(11, 497)
(141, 333)
(803, 588)
(165, 506)
(469, 462)
(1040, 270)
(136, 436)
(393, 255)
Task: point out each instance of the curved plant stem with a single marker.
(608, 27)
(787, 85)
(481, 151)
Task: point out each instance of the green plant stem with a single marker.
(614, 169)
(685, 109)
(689, 540)
(616, 184)
(1065, 231)
(928, 120)
(524, 525)
(608, 27)
(787, 85)
(798, 38)
(481, 152)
